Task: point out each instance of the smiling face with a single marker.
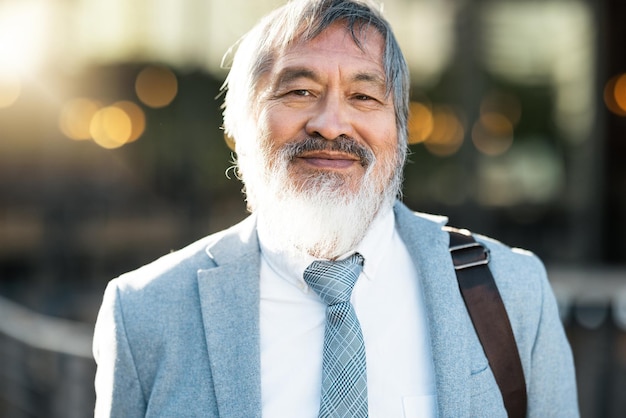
(326, 104)
(325, 158)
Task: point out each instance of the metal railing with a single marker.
(47, 369)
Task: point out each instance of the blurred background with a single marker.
(111, 155)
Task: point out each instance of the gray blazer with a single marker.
(180, 336)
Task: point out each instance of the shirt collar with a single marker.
(377, 238)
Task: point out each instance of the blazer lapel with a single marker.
(445, 310)
(229, 299)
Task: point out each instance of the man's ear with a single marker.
(230, 141)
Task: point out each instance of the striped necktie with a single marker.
(344, 380)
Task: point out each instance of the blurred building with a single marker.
(111, 155)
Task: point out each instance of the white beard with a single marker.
(321, 216)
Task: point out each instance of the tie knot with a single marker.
(333, 280)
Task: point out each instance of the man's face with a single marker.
(332, 94)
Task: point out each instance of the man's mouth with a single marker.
(329, 159)
(340, 153)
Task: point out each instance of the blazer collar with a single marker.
(229, 299)
(445, 309)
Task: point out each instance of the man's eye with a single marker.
(363, 97)
(301, 92)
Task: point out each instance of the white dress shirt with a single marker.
(388, 302)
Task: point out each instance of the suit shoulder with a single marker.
(503, 253)
(520, 275)
(176, 269)
(177, 265)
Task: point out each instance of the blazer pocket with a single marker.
(482, 380)
(486, 399)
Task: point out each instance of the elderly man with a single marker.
(332, 299)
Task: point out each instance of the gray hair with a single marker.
(301, 21)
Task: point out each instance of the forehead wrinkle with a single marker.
(289, 74)
(369, 77)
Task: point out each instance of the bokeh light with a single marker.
(110, 127)
(620, 92)
(448, 132)
(10, 88)
(502, 103)
(22, 32)
(137, 119)
(75, 118)
(156, 87)
(615, 94)
(420, 122)
(492, 134)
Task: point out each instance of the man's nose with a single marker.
(330, 119)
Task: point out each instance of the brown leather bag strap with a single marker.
(488, 314)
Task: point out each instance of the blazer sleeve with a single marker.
(551, 381)
(118, 389)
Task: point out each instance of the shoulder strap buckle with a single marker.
(469, 255)
(465, 251)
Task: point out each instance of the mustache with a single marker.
(342, 144)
